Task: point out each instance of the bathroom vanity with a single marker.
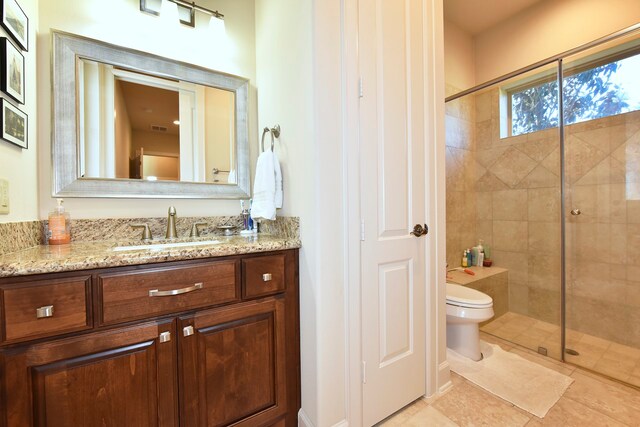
(210, 341)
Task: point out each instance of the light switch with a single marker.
(4, 196)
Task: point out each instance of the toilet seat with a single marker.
(462, 296)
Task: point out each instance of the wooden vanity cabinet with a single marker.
(121, 377)
(235, 362)
(233, 365)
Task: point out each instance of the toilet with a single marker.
(466, 308)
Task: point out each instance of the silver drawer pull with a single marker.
(44, 312)
(187, 331)
(157, 293)
(267, 277)
(165, 337)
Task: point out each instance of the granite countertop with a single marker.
(90, 255)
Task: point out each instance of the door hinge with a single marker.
(360, 88)
(362, 230)
(364, 372)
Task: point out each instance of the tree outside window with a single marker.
(597, 92)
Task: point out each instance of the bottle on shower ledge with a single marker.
(464, 259)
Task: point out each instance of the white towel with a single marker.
(267, 187)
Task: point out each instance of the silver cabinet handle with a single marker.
(187, 331)
(44, 312)
(165, 337)
(267, 277)
(157, 293)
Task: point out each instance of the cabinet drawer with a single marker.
(45, 307)
(263, 276)
(151, 292)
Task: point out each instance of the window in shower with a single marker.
(592, 89)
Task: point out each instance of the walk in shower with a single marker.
(551, 185)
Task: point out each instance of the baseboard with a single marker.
(304, 421)
(444, 377)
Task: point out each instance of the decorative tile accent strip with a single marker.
(16, 236)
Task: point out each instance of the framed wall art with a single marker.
(16, 22)
(14, 124)
(11, 70)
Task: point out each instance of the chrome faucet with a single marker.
(171, 224)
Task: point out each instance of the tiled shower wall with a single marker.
(603, 243)
(460, 172)
(514, 185)
(518, 209)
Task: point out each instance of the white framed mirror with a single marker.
(131, 124)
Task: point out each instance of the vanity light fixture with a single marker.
(186, 11)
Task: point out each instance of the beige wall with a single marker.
(122, 134)
(218, 132)
(96, 19)
(459, 58)
(20, 166)
(162, 167)
(155, 143)
(548, 28)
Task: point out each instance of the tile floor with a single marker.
(591, 400)
(612, 359)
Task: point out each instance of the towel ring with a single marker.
(275, 133)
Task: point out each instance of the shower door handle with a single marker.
(419, 230)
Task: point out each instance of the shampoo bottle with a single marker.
(59, 225)
(469, 258)
(464, 259)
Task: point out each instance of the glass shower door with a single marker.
(601, 97)
(503, 187)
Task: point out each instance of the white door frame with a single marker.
(437, 369)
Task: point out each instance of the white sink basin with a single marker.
(161, 246)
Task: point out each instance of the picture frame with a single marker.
(12, 69)
(15, 22)
(14, 124)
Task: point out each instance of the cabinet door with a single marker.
(123, 377)
(232, 365)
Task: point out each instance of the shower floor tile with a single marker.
(615, 360)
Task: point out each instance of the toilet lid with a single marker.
(467, 297)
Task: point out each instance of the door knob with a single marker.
(419, 230)
(575, 212)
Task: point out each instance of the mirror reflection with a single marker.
(136, 126)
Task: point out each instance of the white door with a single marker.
(392, 145)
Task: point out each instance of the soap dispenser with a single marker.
(59, 225)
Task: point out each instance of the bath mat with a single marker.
(527, 385)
